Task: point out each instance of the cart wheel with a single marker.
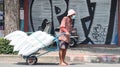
(31, 60)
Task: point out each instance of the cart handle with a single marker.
(57, 42)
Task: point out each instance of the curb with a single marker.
(97, 59)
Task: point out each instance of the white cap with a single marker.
(71, 12)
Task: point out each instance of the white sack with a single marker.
(27, 45)
(22, 43)
(15, 36)
(42, 40)
(31, 51)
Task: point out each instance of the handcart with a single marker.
(33, 58)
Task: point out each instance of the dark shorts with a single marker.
(63, 45)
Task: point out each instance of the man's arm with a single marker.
(64, 29)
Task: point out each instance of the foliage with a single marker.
(5, 48)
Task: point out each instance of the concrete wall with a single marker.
(96, 20)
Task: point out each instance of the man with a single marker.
(65, 27)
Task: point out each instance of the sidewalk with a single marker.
(74, 55)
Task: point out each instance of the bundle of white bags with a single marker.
(26, 45)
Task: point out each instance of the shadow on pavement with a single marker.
(23, 63)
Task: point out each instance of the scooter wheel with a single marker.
(72, 42)
(31, 60)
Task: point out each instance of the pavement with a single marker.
(74, 55)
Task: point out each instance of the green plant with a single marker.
(4, 47)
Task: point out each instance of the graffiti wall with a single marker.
(96, 20)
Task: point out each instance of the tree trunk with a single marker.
(11, 8)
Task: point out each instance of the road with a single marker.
(56, 65)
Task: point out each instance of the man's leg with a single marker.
(62, 54)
